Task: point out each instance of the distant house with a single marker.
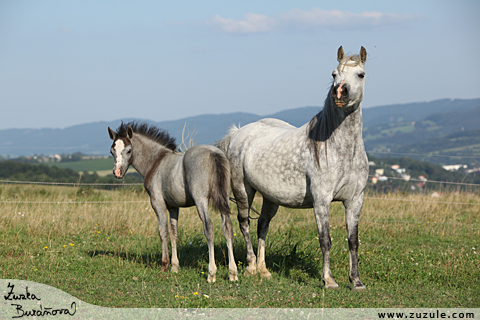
(455, 167)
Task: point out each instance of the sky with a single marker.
(65, 62)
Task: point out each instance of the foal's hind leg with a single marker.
(269, 210)
(174, 237)
(202, 207)
(244, 196)
(161, 211)
(227, 229)
(352, 215)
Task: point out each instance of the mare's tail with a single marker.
(225, 142)
(220, 183)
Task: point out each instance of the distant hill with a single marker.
(450, 137)
(391, 128)
(415, 111)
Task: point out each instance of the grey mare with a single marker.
(176, 180)
(306, 167)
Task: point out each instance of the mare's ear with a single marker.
(111, 133)
(340, 54)
(363, 55)
(129, 132)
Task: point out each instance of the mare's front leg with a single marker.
(202, 208)
(352, 215)
(269, 210)
(174, 237)
(321, 216)
(161, 210)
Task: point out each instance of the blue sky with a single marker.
(66, 62)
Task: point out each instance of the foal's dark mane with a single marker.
(158, 135)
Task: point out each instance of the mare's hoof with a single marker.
(265, 274)
(331, 284)
(250, 271)
(211, 279)
(360, 287)
(233, 277)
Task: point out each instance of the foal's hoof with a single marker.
(233, 277)
(211, 279)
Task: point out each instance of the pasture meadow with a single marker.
(103, 248)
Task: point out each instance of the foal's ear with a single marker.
(363, 55)
(111, 133)
(129, 132)
(340, 54)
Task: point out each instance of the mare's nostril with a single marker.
(345, 91)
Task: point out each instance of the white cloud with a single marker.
(252, 23)
(314, 18)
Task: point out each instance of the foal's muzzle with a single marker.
(118, 172)
(340, 94)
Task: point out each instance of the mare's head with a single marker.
(121, 151)
(348, 79)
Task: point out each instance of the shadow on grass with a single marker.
(283, 256)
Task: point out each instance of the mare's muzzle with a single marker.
(340, 94)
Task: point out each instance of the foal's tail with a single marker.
(220, 183)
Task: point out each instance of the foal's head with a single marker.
(121, 151)
(122, 148)
(348, 79)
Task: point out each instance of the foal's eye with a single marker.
(334, 75)
(361, 75)
(129, 151)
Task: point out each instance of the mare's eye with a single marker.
(334, 75)
(129, 151)
(361, 75)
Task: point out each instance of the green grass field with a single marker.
(87, 165)
(102, 167)
(416, 253)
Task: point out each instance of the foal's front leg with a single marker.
(174, 237)
(161, 210)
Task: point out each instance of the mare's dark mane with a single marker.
(321, 128)
(158, 135)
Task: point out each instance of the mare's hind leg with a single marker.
(202, 207)
(321, 217)
(269, 210)
(244, 196)
(227, 229)
(161, 211)
(174, 237)
(352, 215)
